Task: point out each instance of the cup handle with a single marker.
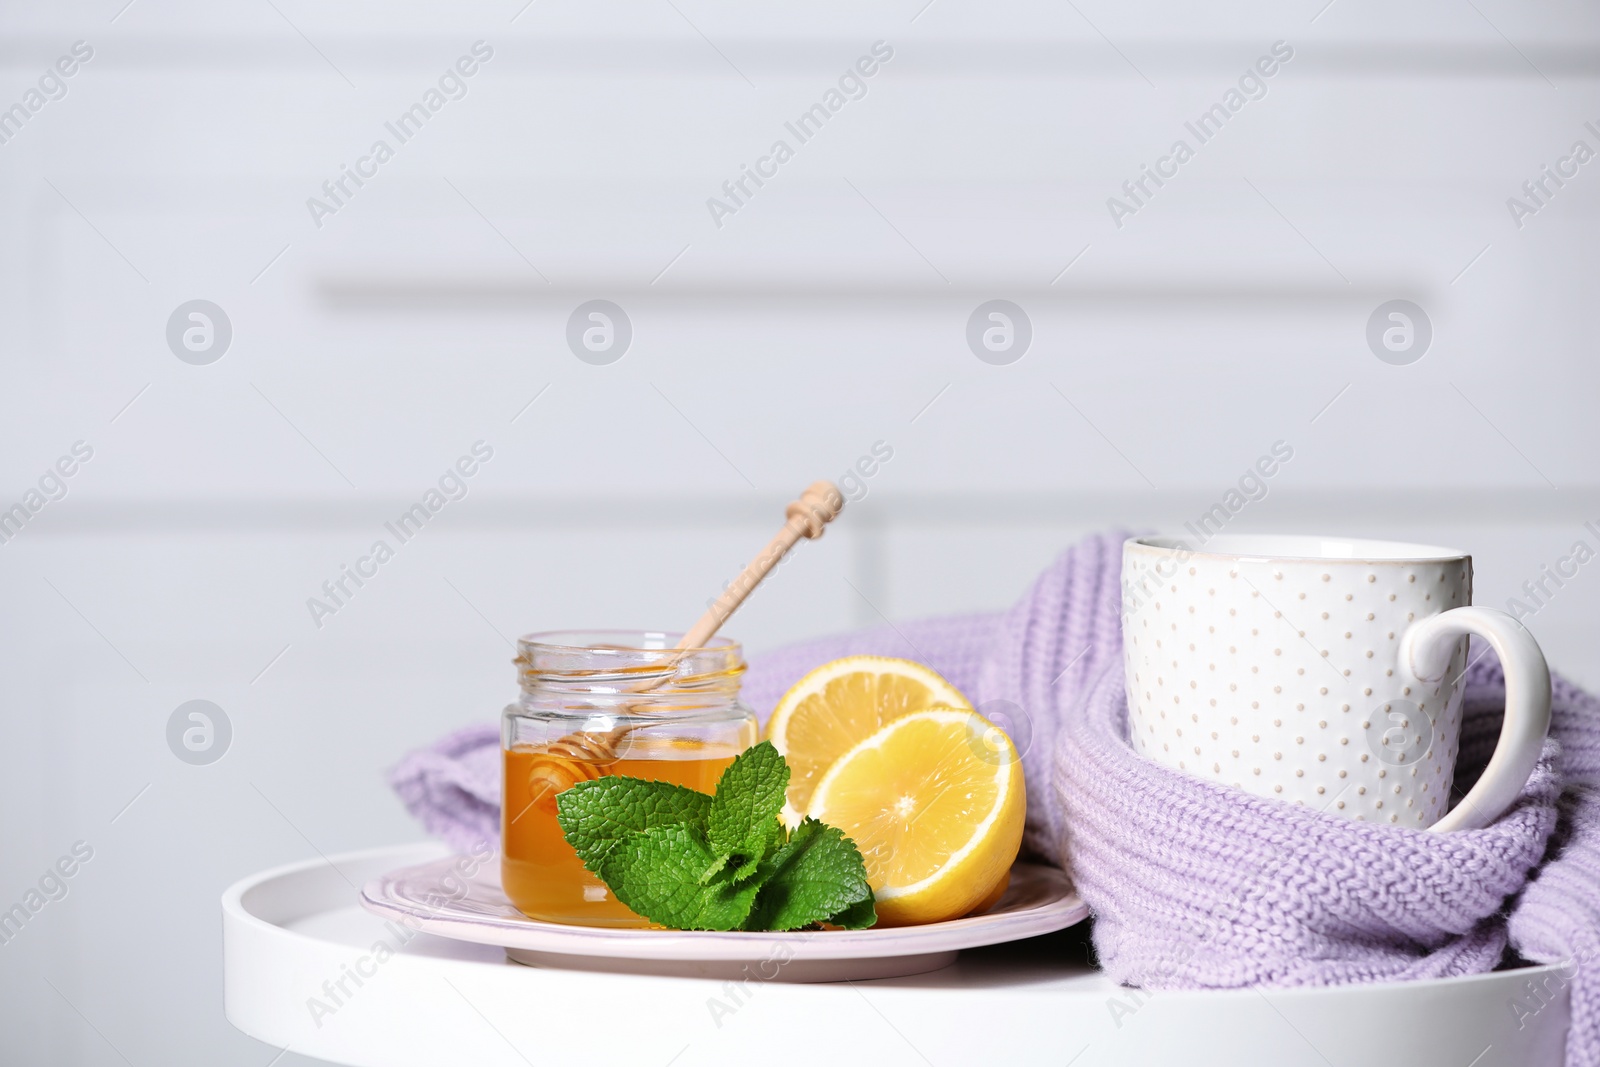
(1426, 648)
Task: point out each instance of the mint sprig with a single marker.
(726, 862)
(742, 826)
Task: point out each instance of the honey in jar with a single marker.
(606, 703)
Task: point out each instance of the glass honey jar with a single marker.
(597, 703)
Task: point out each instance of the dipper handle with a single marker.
(806, 517)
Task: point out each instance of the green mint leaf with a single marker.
(742, 822)
(597, 816)
(693, 862)
(718, 865)
(857, 916)
(817, 876)
(657, 873)
(759, 846)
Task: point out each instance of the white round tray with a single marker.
(303, 969)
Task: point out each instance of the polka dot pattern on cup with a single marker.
(1286, 677)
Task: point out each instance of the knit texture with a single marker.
(1194, 884)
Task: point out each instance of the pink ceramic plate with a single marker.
(430, 897)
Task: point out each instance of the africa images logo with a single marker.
(52, 86)
(1252, 85)
(452, 85)
(851, 85)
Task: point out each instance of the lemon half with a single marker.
(935, 801)
(842, 703)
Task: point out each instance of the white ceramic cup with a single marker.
(1323, 671)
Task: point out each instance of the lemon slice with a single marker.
(844, 702)
(935, 802)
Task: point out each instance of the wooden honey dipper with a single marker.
(819, 505)
(579, 756)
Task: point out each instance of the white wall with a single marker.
(822, 317)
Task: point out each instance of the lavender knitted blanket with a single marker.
(1193, 884)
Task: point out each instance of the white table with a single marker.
(288, 931)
